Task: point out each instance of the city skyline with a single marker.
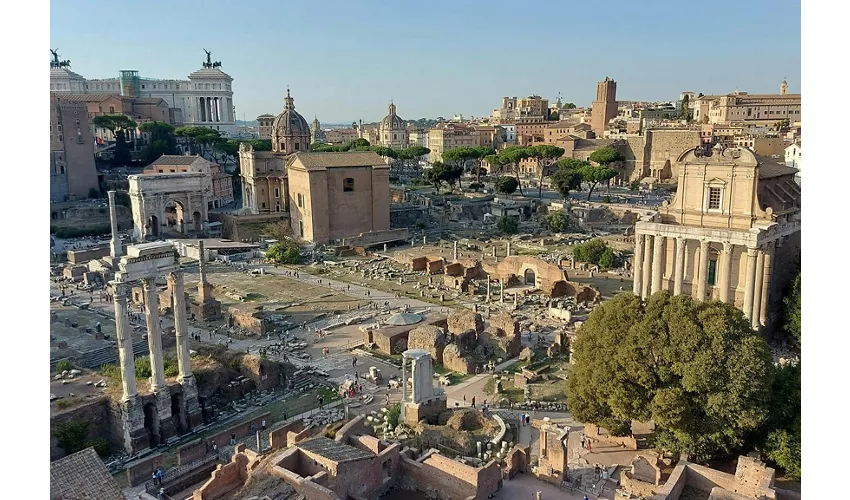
(348, 62)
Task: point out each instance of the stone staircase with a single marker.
(104, 356)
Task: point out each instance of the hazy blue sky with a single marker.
(345, 59)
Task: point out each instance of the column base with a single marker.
(167, 429)
(208, 310)
(190, 399)
(133, 420)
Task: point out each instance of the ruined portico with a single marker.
(424, 400)
(735, 220)
(147, 425)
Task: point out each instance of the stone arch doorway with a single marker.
(196, 222)
(153, 225)
(152, 424)
(175, 216)
(530, 277)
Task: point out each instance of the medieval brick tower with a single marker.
(605, 105)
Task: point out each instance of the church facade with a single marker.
(392, 132)
(730, 233)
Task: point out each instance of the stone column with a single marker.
(502, 291)
(725, 270)
(647, 266)
(657, 263)
(123, 334)
(755, 318)
(749, 282)
(115, 248)
(702, 279)
(765, 292)
(681, 245)
(637, 264)
(488, 289)
(508, 249)
(181, 324)
(454, 253)
(403, 386)
(154, 334)
(494, 250)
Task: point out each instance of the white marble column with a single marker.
(181, 324)
(154, 334)
(201, 109)
(765, 292)
(637, 265)
(403, 386)
(123, 334)
(647, 266)
(657, 263)
(116, 250)
(759, 281)
(702, 279)
(749, 282)
(725, 270)
(681, 245)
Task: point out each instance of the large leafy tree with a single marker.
(694, 368)
(545, 154)
(163, 141)
(509, 159)
(434, 175)
(592, 251)
(410, 156)
(481, 153)
(605, 157)
(460, 157)
(200, 139)
(226, 151)
(782, 432)
(594, 175)
(507, 225)
(118, 125)
(506, 185)
(793, 311)
(567, 176)
(260, 144)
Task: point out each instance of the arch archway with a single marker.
(153, 225)
(152, 424)
(175, 216)
(196, 222)
(530, 277)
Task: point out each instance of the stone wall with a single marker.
(192, 451)
(242, 430)
(462, 321)
(430, 338)
(265, 374)
(96, 413)
(593, 432)
(278, 438)
(142, 470)
(225, 478)
(355, 426)
(378, 237)
(455, 361)
(404, 216)
(517, 460)
(453, 480)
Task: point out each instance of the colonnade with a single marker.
(134, 417)
(212, 109)
(649, 266)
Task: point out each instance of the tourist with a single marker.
(155, 478)
(162, 494)
(464, 400)
(473, 401)
(522, 418)
(232, 438)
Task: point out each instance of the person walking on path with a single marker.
(473, 401)
(263, 425)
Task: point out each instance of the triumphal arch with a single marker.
(169, 204)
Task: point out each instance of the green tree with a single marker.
(606, 157)
(434, 175)
(607, 260)
(590, 251)
(410, 156)
(481, 153)
(792, 309)
(567, 176)
(200, 139)
(163, 140)
(557, 222)
(451, 174)
(260, 144)
(393, 415)
(569, 105)
(509, 159)
(506, 185)
(71, 437)
(118, 125)
(696, 369)
(507, 225)
(282, 232)
(594, 175)
(226, 151)
(686, 112)
(781, 433)
(460, 157)
(281, 254)
(545, 154)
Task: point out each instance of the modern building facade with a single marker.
(730, 233)
(72, 169)
(205, 99)
(446, 136)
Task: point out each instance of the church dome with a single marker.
(392, 120)
(290, 122)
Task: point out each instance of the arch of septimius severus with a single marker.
(730, 233)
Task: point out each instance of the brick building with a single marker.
(72, 169)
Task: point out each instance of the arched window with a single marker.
(348, 185)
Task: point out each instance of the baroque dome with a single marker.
(392, 120)
(290, 122)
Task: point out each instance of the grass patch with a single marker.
(254, 296)
(63, 365)
(393, 359)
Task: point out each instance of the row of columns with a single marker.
(133, 418)
(648, 268)
(210, 109)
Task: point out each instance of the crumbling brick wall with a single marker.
(100, 424)
(266, 374)
(453, 360)
(242, 430)
(430, 338)
(192, 451)
(453, 480)
(142, 470)
(460, 322)
(278, 438)
(225, 478)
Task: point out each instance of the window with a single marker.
(78, 122)
(264, 204)
(111, 109)
(277, 192)
(277, 207)
(300, 200)
(296, 146)
(348, 185)
(714, 198)
(712, 272)
(301, 228)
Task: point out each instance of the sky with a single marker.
(344, 60)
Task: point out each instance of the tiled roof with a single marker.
(82, 475)
(86, 97)
(176, 160)
(769, 168)
(320, 161)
